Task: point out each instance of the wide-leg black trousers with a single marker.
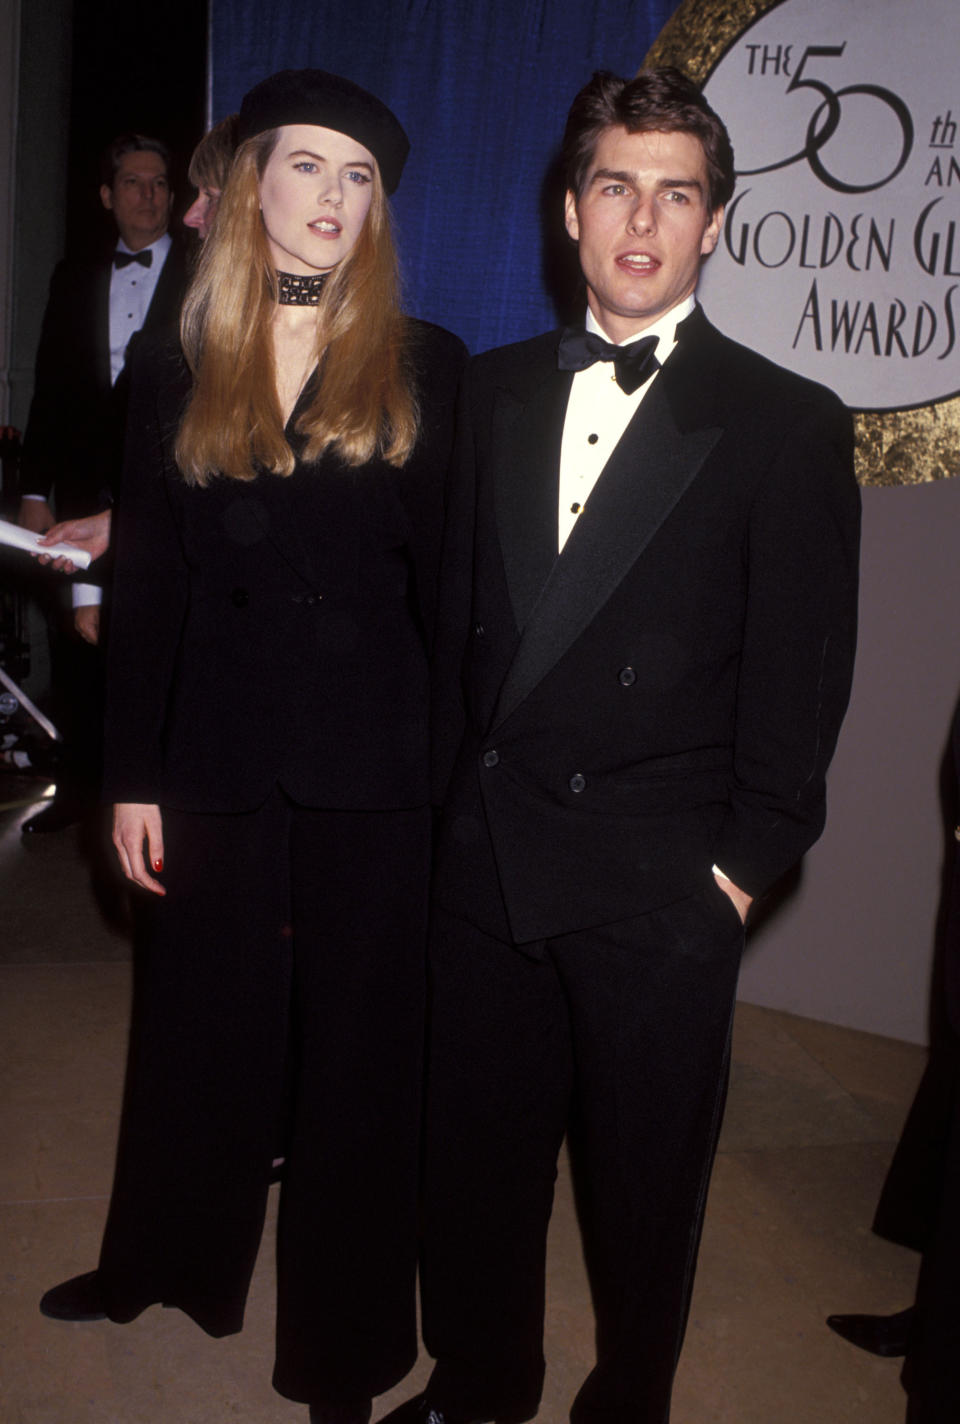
(619, 1035)
(279, 1011)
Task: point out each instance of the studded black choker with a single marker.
(295, 291)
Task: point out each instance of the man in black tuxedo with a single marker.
(649, 620)
(74, 435)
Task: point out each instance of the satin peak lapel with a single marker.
(648, 472)
(101, 319)
(527, 434)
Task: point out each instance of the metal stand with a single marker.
(29, 706)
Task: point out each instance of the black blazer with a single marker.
(275, 631)
(667, 692)
(73, 442)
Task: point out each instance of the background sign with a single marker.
(840, 256)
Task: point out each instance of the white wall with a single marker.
(854, 944)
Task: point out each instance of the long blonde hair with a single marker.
(213, 155)
(363, 403)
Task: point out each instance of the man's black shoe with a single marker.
(78, 1298)
(55, 817)
(419, 1411)
(358, 1413)
(886, 1335)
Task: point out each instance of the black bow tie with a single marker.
(123, 259)
(632, 364)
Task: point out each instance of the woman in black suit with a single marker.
(266, 754)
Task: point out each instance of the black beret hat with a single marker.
(312, 96)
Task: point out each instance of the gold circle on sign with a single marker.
(894, 447)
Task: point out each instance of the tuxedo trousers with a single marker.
(619, 1037)
(77, 698)
(278, 1010)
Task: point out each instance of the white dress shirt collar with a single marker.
(664, 328)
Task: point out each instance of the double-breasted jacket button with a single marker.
(240, 597)
(478, 630)
(491, 757)
(578, 783)
(627, 676)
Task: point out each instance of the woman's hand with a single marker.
(134, 823)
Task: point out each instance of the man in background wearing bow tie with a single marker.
(73, 442)
(649, 622)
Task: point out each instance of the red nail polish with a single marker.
(158, 866)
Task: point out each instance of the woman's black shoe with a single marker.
(886, 1335)
(78, 1298)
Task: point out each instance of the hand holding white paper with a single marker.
(18, 538)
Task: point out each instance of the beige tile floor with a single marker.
(813, 1115)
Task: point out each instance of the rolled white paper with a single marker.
(18, 538)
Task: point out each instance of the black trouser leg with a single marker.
(652, 1005)
(499, 1078)
(346, 1326)
(634, 1019)
(205, 1075)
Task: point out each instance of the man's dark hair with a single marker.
(655, 99)
(129, 143)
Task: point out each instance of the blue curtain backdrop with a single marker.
(482, 88)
